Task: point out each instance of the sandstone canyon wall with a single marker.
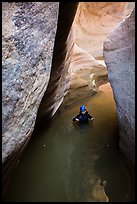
(59, 81)
(33, 53)
(93, 22)
(44, 58)
(28, 35)
(28, 39)
(119, 54)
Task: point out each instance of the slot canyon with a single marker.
(56, 57)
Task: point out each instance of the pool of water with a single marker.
(65, 161)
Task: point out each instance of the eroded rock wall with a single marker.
(35, 59)
(92, 24)
(28, 38)
(95, 20)
(28, 35)
(119, 54)
(33, 74)
(59, 80)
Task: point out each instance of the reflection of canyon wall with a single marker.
(92, 24)
(119, 54)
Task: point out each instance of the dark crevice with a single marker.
(65, 19)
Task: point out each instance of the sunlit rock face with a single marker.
(28, 35)
(95, 20)
(85, 74)
(119, 54)
(92, 24)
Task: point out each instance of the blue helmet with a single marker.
(82, 108)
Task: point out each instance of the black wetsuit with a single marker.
(83, 118)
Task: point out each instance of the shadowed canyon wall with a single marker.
(119, 54)
(63, 44)
(29, 35)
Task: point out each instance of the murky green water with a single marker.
(64, 162)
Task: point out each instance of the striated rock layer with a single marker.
(95, 20)
(92, 24)
(30, 33)
(119, 54)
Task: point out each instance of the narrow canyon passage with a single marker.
(56, 57)
(66, 162)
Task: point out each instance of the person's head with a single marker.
(83, 109)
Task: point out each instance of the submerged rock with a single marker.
(98, 194)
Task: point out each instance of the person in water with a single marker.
(83, 116)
